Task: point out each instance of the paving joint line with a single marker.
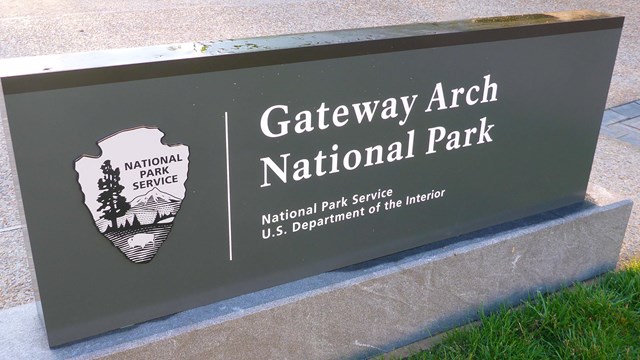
(11, 228)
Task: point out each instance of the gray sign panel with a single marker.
(155, 187)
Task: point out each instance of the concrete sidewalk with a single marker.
(623, 122)
(29, 28)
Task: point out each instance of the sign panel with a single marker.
(155, 187)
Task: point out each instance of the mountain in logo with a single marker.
(153, 198)
(156, 206)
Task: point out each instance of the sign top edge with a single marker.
(46, 64)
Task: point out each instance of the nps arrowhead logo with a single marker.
(134, 190)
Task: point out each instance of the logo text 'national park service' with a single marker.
(134, 190)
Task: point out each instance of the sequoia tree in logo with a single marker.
(113, 205)
(135, 165)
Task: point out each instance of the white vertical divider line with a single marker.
(226, 134)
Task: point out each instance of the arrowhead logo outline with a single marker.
(134, 189)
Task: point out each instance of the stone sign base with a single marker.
(370, 308)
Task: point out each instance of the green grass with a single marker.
(599, 320)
